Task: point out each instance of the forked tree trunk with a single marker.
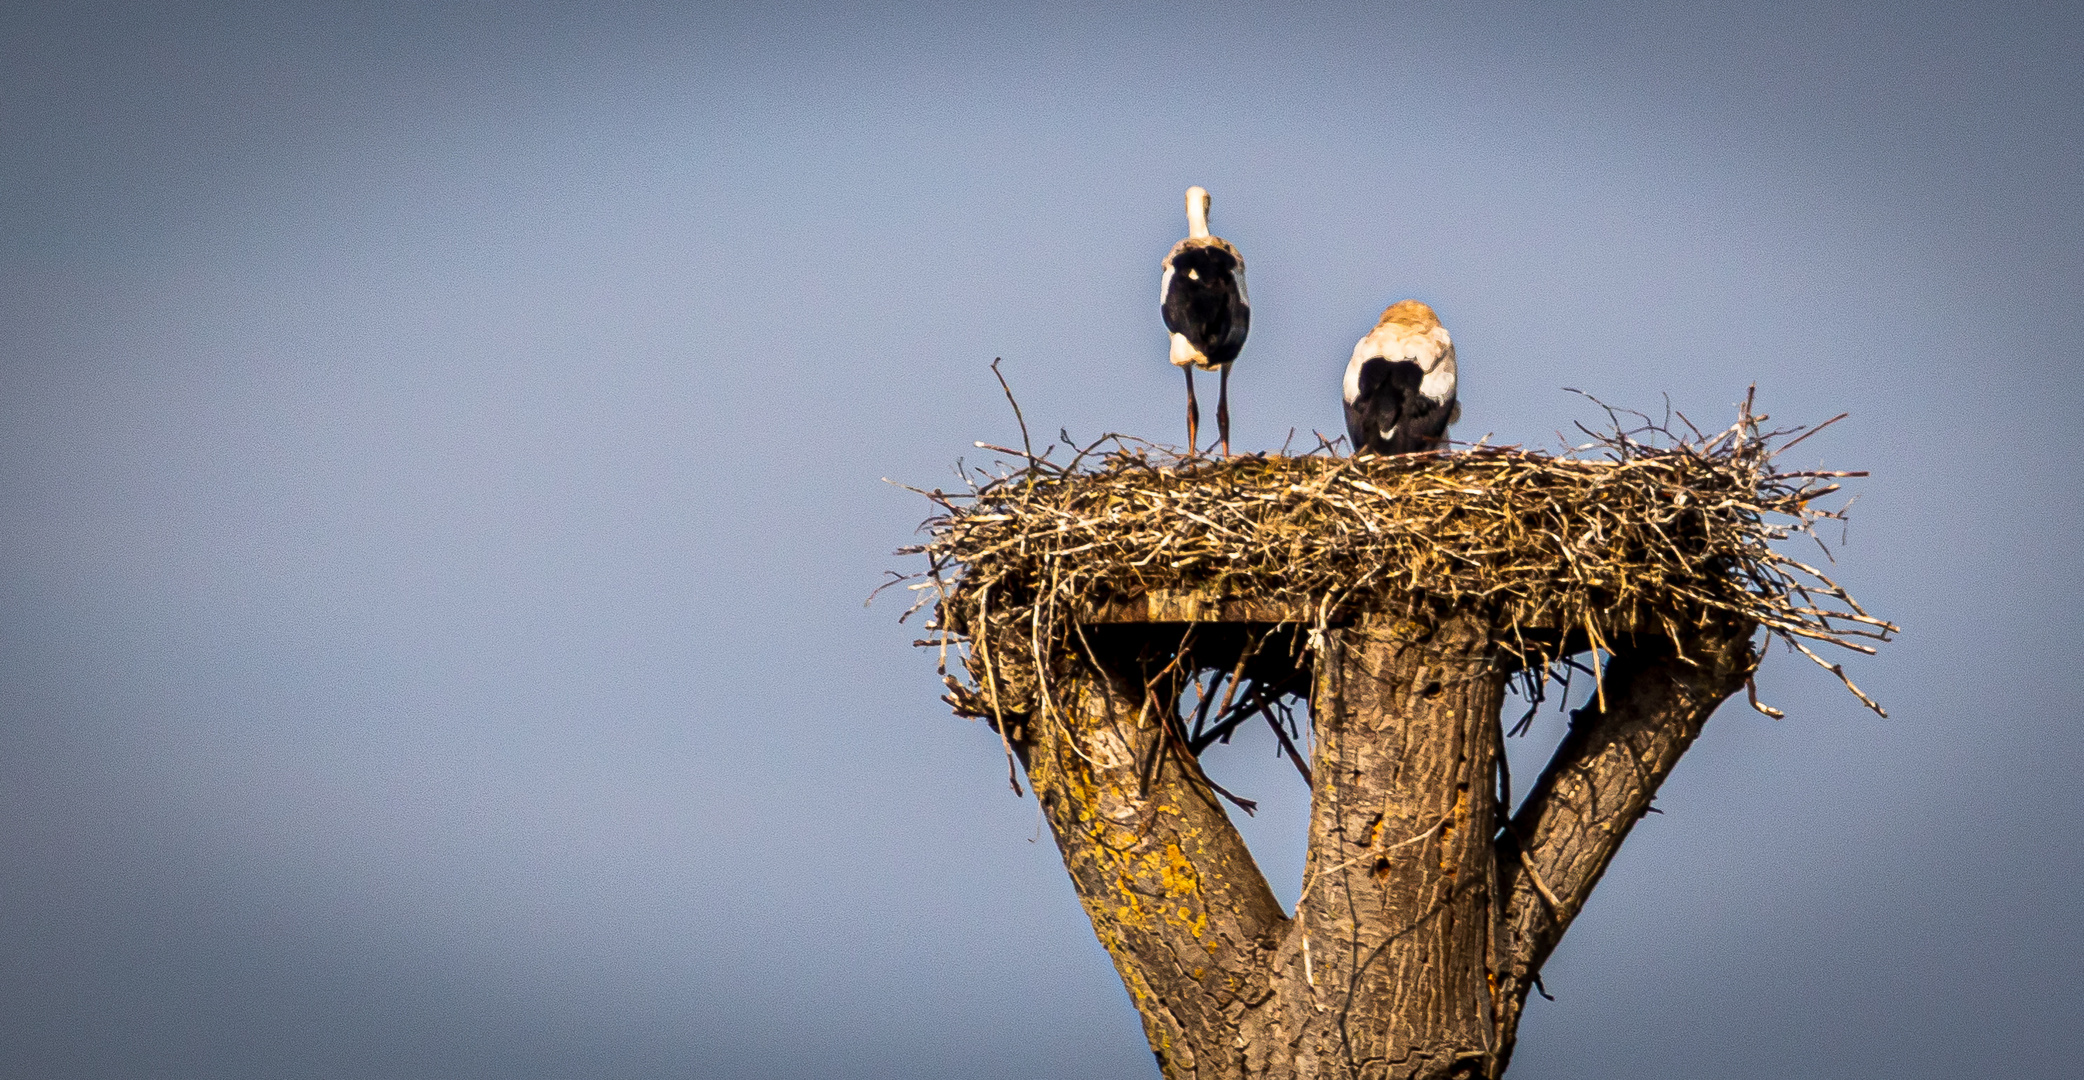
(1424, 918)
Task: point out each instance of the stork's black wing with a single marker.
(1204, 303)
(1389, 415)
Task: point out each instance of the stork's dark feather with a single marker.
(1389, 401)
(1204, 299)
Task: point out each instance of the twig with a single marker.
(1751, 691)
(1294, 755)
(1025, 442)
(1540, 886)
(983, 647)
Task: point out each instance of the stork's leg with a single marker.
(1193, 413)
(1223, 409)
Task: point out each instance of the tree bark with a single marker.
(1599, 783)
(1390, 953)
(1424, 919)
(1170, 887)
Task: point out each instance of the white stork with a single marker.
(1400, 384)
(1202, 296)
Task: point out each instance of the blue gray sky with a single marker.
(440, 470)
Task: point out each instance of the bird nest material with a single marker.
(1637, 531)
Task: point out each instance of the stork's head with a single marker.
(1411, 313)
(1197, 211)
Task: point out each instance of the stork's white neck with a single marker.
(1197, 212)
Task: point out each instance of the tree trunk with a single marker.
(1424, 919)
(1394, 931)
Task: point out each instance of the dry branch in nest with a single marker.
(1639, 530)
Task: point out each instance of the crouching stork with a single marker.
(1400, 384)
(1202, 296)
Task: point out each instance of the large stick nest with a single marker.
(1636, 531)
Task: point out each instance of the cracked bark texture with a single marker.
(1420, 929)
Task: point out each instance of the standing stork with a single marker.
(1400, 384)
(1202, 296)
